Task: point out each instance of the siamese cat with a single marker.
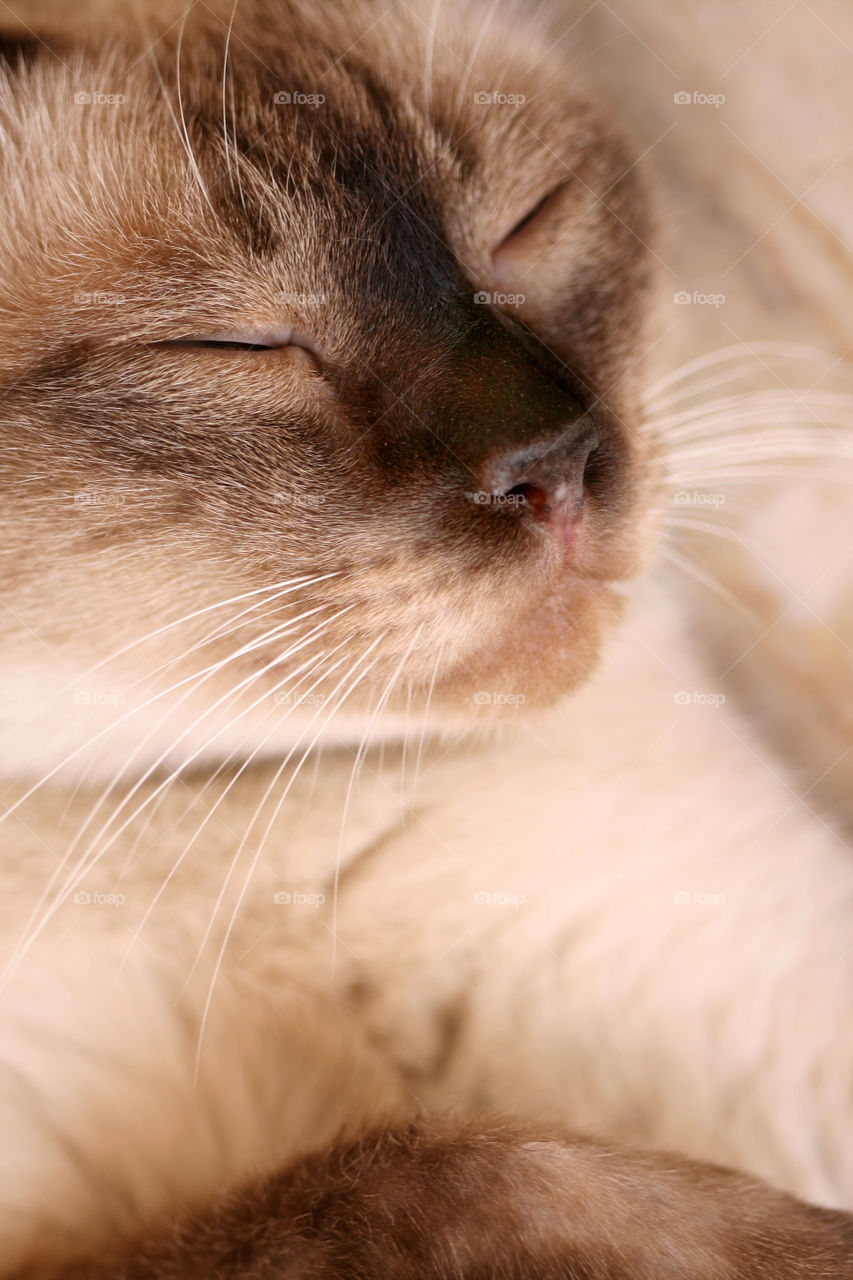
(384, 892)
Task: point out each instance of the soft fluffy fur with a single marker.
(610, 916)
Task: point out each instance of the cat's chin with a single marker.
(91, 731)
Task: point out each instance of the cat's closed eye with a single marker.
(283, 342)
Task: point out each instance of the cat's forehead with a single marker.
(375, 145)
(350, 169)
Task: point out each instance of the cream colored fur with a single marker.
(663, 955)
(617, 915)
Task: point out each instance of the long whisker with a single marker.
(228, 695)
(692, 570)
(439, 658)
(195, 681)
(224, 84)
(229, 928)
(327, 671)
(746, 354)
(386, 694)
(41, 781)
(88, 859)
(292, 679)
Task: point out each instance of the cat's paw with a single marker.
(495, 1201)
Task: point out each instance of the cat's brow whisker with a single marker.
(466, 81)
(183, 131)
(224, 84)
(429, 54)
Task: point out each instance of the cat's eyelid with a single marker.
(249, 339)
(514, 235)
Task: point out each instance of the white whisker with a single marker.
(229, 928)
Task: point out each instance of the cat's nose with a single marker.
(543, 480)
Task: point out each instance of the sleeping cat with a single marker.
(362, 849)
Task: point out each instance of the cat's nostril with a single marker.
(543, 480)
(530, 496)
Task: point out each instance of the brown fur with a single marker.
(387, 212)
(448, 1201)
(386, 206)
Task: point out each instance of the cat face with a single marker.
(320, 352)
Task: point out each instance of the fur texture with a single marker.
(282, 911)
